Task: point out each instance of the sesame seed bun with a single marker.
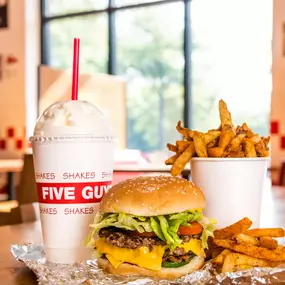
(165, 273)
(152, 196)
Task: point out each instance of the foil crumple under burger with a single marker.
(88, 273)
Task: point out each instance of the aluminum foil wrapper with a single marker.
(88, 273)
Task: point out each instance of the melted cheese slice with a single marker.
(194, 245)
(141, 256)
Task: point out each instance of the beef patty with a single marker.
(123, 240)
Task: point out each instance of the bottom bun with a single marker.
(165, 273)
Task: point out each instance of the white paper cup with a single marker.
(73, 151)
(233, 187)
(72, 175)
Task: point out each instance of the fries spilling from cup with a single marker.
(223, 142)
(243, 248)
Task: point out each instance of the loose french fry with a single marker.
(219, 260)
(211, 136)
(182, 160)
(245, 239)
(184, 131)
(172, 147)
(236, 228)
(277, 254)
(249, 148)
(171, 159)
(227, 135)
(234, 260)
(199, 144)
(267, 232)
(182, 145)
(225, 115)
(215, 152)
(268, 242)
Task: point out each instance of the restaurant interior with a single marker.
(147, 64)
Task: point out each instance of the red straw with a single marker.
(76, 45)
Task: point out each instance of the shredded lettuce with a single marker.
(156, 228)
(208, 225)
(165, 227)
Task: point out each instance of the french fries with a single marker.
(225, 141)
(200, 145)
(245, 248)
(233, 260)
(252, 250)
(236, 228)
(276, 232)
(268, 242)
(242, 238)
(182, 160)
(219, 260)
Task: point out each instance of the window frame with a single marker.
(111, 12)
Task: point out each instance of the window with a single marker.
(231, 59)
(178, 59)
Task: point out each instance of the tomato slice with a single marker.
(195, 228)
(144, 234)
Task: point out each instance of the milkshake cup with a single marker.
(73, 152)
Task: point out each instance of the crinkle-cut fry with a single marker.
(184, 131)
(225, 115)
(200, 145)
(245, 239)
(172, 147)
(234, 260)
(219, 260)
(211, 136)
(268, 242)
(171, 159)
(236, 228)
(249, 148)
(215, 152)
(182, 145)
(266, 232)
(277, 254)
(182, 160)
(261, 149)
(227, 135)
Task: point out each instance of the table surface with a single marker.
(13, 272)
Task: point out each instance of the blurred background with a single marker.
(146, 64)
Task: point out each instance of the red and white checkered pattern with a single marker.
(13, 138)
(277, 142)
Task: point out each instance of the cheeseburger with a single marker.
(151, 226)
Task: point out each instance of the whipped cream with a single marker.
(72, 118)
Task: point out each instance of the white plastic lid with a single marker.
(72, 118)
